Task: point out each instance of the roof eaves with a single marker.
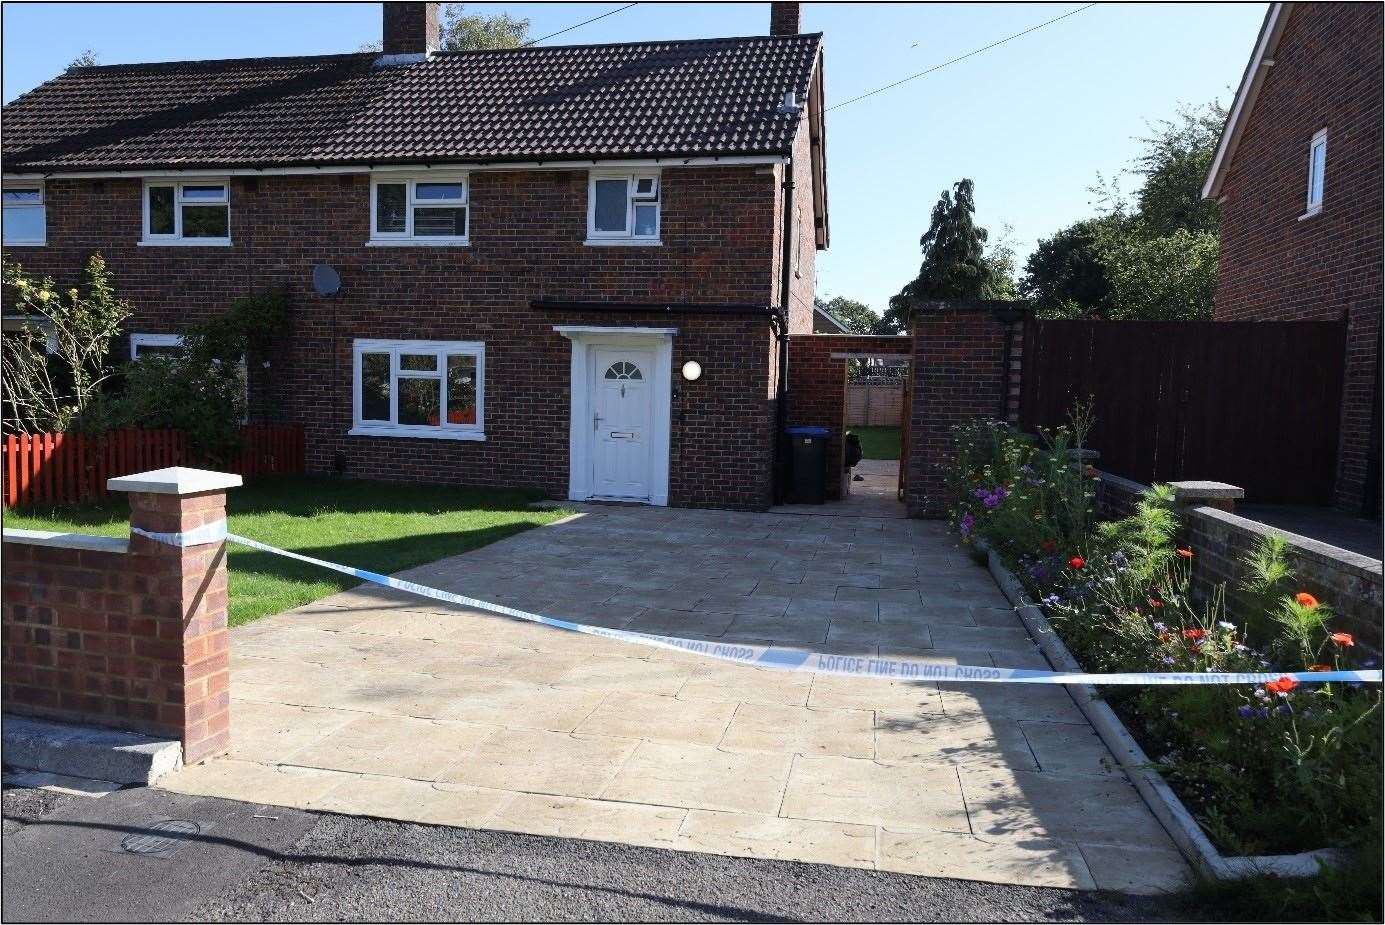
(1254, 77)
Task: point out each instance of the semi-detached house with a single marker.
(572, 268)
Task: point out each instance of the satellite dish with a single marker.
(326, 281)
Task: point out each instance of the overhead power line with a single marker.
(938, 67)
(578, 25)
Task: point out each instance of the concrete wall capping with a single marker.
(176, 480)
(67, 540)
(1307, 547)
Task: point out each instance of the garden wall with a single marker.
(1350, 583)
(129, 634)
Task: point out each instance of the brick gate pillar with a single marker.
(186, 571)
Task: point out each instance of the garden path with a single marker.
(376, 703)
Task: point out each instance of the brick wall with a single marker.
(959, 360)
(817, 386)
(527, 229)
(1350, 584)
(1276, 266)
(129, 636)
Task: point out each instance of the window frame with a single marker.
(1317, 143)
(176, 239)
(176, 340)
(442, 349)
(41, 206)
(632, 199)
(407, 237)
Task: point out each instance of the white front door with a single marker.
(622, 405)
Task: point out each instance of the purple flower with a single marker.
(1052, 600)
(1160, 628)
(1167, 660)
(1284, 709)
(966, 524)
(1264, 713)
(1245, 712)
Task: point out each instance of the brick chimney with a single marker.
(410, 28)
(783, 18)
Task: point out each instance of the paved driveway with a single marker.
(375, 703)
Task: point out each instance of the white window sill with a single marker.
(416, 433)
(623, 242)
(1316, 210)
(418, 242)
(186, 242)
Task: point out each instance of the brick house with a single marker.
(539, 248)
(1298, 174)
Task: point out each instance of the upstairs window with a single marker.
(1317, 167)
(418, 388)
(25, 216)
(623, 208)
(195, 212)
(418, 211)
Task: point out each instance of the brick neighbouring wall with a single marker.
(817, 386)
(959, 357)
(135, 640)
(1276, 267)
(527, 229)
(409, 28)
(1350, 584)
(783, 18)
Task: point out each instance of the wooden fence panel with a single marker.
(1256, 404)
(69, 468)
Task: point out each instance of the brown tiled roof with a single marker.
(646, 99)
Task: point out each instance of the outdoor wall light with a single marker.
(692, 370)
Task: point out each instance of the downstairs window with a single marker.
(419, 388)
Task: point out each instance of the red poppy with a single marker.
(1077, 562)
(1049, 545)
(1155, 602)
(1342, 639)
(1184, 553)
(1165, 637)
(1319, 667)
(1306, 600)
(1195, 634)
(1281, 686)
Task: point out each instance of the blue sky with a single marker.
(1032, 122)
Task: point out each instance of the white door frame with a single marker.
(584, 338)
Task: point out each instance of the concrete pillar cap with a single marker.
(1206, 491)
(175, 480)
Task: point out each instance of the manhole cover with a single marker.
(161, 838)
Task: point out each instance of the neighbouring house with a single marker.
(1298, 174)
(572, 268)
(824, 322)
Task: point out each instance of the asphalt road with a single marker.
(63, 862)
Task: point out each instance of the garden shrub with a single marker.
(1273, 769)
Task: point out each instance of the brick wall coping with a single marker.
(1187, 492)
(1308, 548)
(1123, 483)
(175, 480)
(67, 540)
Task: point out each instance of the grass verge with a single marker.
(878, 442)
(381, 526)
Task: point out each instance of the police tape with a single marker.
(779, 658)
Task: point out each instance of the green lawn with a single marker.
(381, 526)
(878, 442)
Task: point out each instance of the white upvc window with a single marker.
(623, 207)
(1317, 168)
(31, 326)
(419, 388)
(143, 345)
(25, 218)
(426, 210)
(192, 212)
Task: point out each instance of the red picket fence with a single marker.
(68, 468)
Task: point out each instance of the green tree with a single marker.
(1168, 278)
(955, 264)
(463, 31)
(858, 317)
(1064, 276)
(55, 367)
(86, 59)
(1174, 165)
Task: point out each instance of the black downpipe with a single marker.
(781, 404)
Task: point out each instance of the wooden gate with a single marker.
(1256, 404)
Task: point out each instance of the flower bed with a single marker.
(1273, 770)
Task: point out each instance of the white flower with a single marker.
(1226, 626)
